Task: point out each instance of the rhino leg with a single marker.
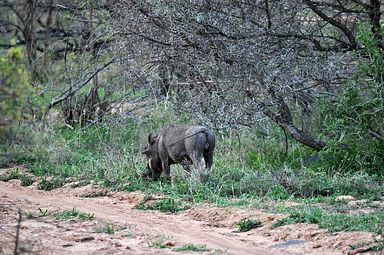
(166, 169)
(196, 159)
(186, 164)
(208, 158)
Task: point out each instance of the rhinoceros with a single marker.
(175, 144)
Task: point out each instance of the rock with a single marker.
(170, 244)
(353, 204)
(378, 203)
(337, 244)
(289, 243)
(313, 234)
(117, 244)
(358, 250)
(85, 239)
(291, 203)
(345, 198)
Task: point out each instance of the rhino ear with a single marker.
(152, 138)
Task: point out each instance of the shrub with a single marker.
(164, 205)
(50, 183)
(248, 224)
(13, 87)
(74, 214)
(355, 119)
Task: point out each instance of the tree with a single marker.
(13, 89)
(237, 59)
(70, 37)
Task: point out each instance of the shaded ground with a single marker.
(119, 228)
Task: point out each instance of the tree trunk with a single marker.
(28, 30)
(304, 137)
(375, 16)
(47, 31)
(283, 118)
(165, 84)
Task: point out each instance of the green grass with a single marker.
(39, 213)
(191, 247)
(248, 224)
(251, 167)
(334, 221)
(245, 166)
(14, 174)
(164, 205)
(106, 228)
(26, 180)
(158, 241)
(74, 214)
(49, 184)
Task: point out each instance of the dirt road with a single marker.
(134, 231)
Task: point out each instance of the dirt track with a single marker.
(143, 232)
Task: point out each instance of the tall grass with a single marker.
(246, 164)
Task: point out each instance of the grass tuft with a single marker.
(191, 247)
(164, 205)
(248, 224)
(250, 165)
(74, 214)
(333, 221)
(50, 184)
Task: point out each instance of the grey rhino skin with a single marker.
(185, 145)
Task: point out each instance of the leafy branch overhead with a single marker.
(229, 64)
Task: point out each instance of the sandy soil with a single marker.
(148, 232)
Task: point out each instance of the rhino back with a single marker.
(174, 134)
(182, 141)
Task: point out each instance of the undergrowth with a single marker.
(164, 205)
(191, 247)
(246, 166)
(74, 214)
(334, 221)
(248, 224)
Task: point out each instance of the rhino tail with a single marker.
(210, 144)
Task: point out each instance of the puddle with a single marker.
(288, 243)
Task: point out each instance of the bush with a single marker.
(355, 119)
(50, 183)
(164, 205)
(332, 221)
(13, 87)
(248, 224)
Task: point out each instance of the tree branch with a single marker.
(333, 22)
(76, 86)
